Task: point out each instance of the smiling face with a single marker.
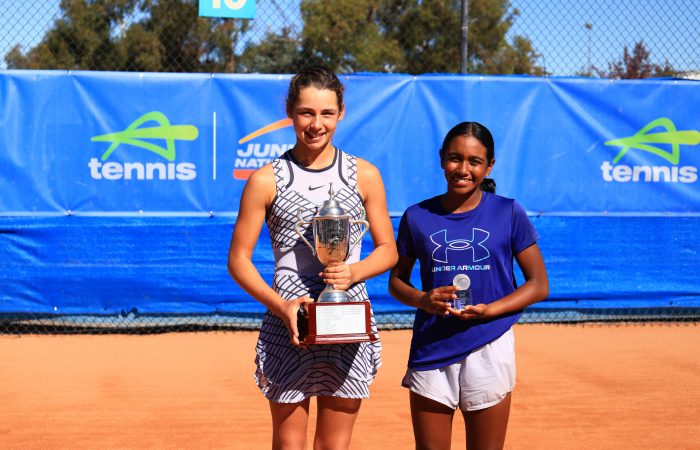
(465, 164)
(315, 115)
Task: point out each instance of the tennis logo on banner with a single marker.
(134, 140)
(661, 139)
(236, 9)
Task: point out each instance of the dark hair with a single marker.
(481, 134)
(320, 77)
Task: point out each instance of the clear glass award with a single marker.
(464, 292)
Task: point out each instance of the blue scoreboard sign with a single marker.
(237, 9)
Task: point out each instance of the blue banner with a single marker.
(96, 143)
(118, 191)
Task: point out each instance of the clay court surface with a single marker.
(579, 387)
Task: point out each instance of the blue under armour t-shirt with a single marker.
(480, 243)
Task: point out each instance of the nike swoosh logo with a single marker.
(313, 188)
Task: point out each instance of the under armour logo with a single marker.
(479, 252)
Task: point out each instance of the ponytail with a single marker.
(488, 185)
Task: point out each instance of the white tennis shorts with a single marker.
(479, 381)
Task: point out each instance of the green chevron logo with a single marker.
(136, 136)
(643, 140)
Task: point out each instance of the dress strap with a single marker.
(284, 175)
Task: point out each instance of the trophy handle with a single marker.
(364, 231)
(300, 234)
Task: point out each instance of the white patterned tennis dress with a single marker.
(287, 374)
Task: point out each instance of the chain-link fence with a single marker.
(599, 38)
(133, 323)
(623, 39)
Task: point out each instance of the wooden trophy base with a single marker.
(338, 323)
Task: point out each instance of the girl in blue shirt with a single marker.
(466, 240)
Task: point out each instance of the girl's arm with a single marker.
(434, 302)
(384, 254)
(257, 196)
(535, 288)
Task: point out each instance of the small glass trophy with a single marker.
(464, 293)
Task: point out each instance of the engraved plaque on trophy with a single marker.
(333, 318)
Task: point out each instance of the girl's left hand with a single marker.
(479, 311)
(339, 276)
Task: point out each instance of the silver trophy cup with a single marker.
(331, 231)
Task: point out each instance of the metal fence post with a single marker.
(464, 50)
